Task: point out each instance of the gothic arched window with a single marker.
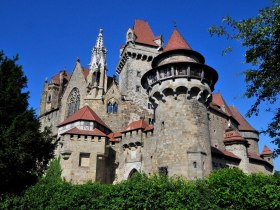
(115, 107)
(73, 101)
(109, 107)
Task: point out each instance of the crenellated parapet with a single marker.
(128, 54)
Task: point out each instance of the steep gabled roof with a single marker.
(139, 124)
(143, 32)
(266, 151)
(94, 132)
(56, 78)
(218, 100)
(85, 113)
(243, 123)
(176, 42)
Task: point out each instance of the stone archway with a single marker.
(132, 173)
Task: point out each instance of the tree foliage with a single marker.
(24, 150)
(260, 36)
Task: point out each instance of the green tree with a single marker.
(24, 150)
(260, 36)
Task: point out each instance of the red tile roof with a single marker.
(149, 128)
(139, 124)
(95, 132)
(266, 151)
(224, 153)
(218, 100)
(254, 156)
(56, 78)
(114, 136)
(143, 32)
(85, 113)
(85, 72)
(230, 136)
(243, 124)
(176, 42)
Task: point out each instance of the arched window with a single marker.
(73, 101)
(96, 76)
(109, 107)
(115, 107)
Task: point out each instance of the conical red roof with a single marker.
(144, 33)
(266, 151)
(176, 42)
(85, 113)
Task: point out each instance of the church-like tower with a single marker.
(180, 87)
(97, 79)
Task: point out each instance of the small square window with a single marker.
(137, 88)
(84, 159)
(138, 74)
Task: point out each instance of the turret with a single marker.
(236, 144)
(267, 155)
(180, 86)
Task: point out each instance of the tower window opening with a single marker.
(138, 74)
(162, 125)
(49, 98)
(194, 164)
(109, 107)
(115, 107)
(137, 88)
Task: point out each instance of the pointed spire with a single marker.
(98, 56)
(266, 151)
(176, 41)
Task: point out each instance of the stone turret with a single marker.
(267, 155)
(179, 86)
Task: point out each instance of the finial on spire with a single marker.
(174, 24)
(78, 59)
(98, 56)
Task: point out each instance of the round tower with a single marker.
(180, 87)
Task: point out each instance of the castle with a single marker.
(160, 117)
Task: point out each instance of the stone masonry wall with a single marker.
(138, 62)
(93, 148)
(182, 126)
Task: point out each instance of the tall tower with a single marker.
(136, 56)
(180, 87)
(97, 79)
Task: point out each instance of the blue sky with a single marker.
(50, 35)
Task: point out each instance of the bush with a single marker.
(223, 189)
